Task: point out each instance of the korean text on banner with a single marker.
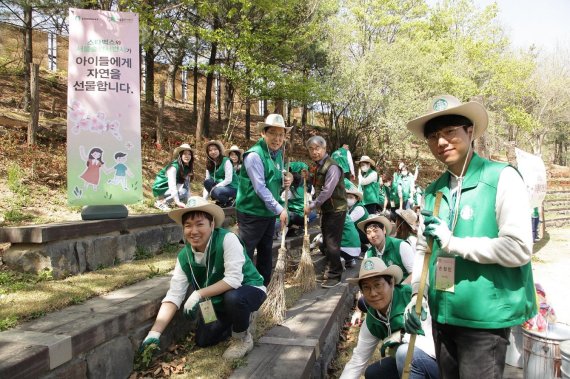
(533, 172)
(103, 116)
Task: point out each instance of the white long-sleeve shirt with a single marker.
(234, 259)
(228, 173)
(511, 248)
(350, 163)
(364, 180)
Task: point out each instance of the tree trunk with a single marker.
(304, 122)
(195, 93)
(199, 122)
(149, 68)
(27, 34)
(171, 80)
(34, 103)
(265, 110)
(219, 97)
(209, 81)
(247, 119)
(159, 117)
(279, 107)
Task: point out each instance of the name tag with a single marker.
(208, 312)
(445, 274)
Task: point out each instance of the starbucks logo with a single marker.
(191, 203)
(466, 213)
(440, 105)
(369, 265)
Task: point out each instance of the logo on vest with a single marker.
(466, 213)
(369, 265)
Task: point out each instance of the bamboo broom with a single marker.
(305, 274)
(274, 306)
(419, 298)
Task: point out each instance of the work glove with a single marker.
(437, 229)
(390, 344)
(412, 323)
(151, 338)
(191, 303)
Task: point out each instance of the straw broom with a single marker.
(305, 274)
(274, 306)
(419, 298)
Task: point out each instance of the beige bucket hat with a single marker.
(236, 149)
(352, 189)
(409, 216)
(198, 203)
(274, 119)
(450, 105)
(366, 158)
(218, 144)
(375, 266)
(182, 147)
(376, 218)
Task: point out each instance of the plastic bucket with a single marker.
(541, 352)
(514, 350)
(565, 357)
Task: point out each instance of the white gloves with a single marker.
(191, 303)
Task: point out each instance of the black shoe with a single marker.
(321, 278)
(350, 263)
(331, 282)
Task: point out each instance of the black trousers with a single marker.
(331, 228)
(257, 233)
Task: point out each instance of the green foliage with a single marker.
(142, 253)
(8, 322)
(143, 358)
(154, 271)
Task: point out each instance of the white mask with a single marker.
(364, 167)
(351, 202)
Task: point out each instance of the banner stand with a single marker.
(101, 212)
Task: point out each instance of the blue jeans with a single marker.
(239, 303)
(470, 353)
(182, 195)
(422, 367)
(221, 194)
(256, 232)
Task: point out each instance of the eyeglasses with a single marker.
(377, 287)
(447, 134)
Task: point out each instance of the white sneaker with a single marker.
(162, 206)
(239, 346)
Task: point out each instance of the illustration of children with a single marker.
(121, 171)
(94, 162)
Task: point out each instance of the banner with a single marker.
(103, 115)
(533, 172)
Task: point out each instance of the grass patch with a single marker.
(25, 296)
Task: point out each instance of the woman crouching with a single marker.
(227, 287)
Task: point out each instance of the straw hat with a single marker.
(198, 203)
(273, 119)
(375, 266)
(352, 189)
(409, 216)
(235, 149)
(366, 158)
(375, 218)
(218, 144)
(180, 148)
(450, 105)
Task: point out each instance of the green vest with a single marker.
(296, 203)
(350, 237)
(417, 194)
(341, 157)
(370, 190)
(407, 182)
(247, 200)
(359, 204)
(486, 296)
(219, 174)
(381, 194)
(400, 298)
(215, 257)
(337, 201)
(391, 254)
(394, 190)
(160, 185)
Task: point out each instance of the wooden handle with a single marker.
(421, 289)
(305, 216)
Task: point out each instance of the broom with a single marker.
(419, 298)
(305, 274)
(274, 306)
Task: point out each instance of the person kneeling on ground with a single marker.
(356, 211)
(172, 183)
(385, 324)
(220, 183)
(228, 290)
